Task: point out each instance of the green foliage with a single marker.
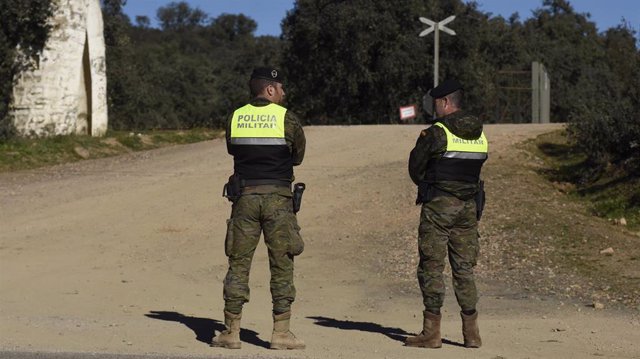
(606, 125)
(180, 16)
(183, 137)
(619, 203)
(23, 32)
(611, 192)
(22, 153)
(356, 62)
(594, 81)
(190, 74)
(131, 141)
(567, 43)
(609, 136)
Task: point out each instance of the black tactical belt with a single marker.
(264, 182)
(437, 192)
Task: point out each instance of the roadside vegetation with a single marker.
(576, 228)
(191, 70)
(20, 154)
(611, 191)
(24, 29)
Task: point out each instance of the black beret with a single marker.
(267, 73)
(445, 88)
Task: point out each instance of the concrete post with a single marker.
(67, 92)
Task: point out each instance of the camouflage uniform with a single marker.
(267, 209)
(448, 225)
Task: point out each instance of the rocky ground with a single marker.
(535, 240)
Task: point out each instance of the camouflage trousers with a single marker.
(251, 214)
(448, 226)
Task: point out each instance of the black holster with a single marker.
(298, 189)
(425, 193)
(232, 189)
(480, 199)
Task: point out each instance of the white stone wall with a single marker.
(67, 93)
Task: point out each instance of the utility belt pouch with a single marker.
(298, 189)
(480, 200)
(296, 244)
(232, 189)
(425, 193)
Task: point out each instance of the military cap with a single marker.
(267, 73)
(445, 88)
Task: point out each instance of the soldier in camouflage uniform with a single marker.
(266, 141)
(446, 164)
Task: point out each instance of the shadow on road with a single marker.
(396, 334)
(449, 342)
(204, 327)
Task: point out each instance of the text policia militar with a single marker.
(479, 141)
(257, 121)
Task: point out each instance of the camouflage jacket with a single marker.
(432, 142)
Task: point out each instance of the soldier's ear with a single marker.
(271, 90)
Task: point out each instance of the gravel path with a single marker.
(124, 256)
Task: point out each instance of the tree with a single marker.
(623, 58)
(358, 61)
(121, 77)
(228, 27)
(190, 73)
(237, 52)
(569, 46)
(180, 16)
(23, 33)
(607, 126)
(116, 23)
(143, 21)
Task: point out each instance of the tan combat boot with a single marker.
(229, 338)
(470, 330)
(282, 338)
(430, 335)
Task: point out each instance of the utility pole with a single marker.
(437, 27)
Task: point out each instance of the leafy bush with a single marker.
(606, 125)
(608, 136)
(24, 26)
(190, 73)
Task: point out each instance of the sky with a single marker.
(269, 13)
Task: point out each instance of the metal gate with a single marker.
(523, 96)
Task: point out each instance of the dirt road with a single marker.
(125, 256)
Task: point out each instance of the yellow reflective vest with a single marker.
(258, 125)
(462, 160)
(258, 144)
(460, 148)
